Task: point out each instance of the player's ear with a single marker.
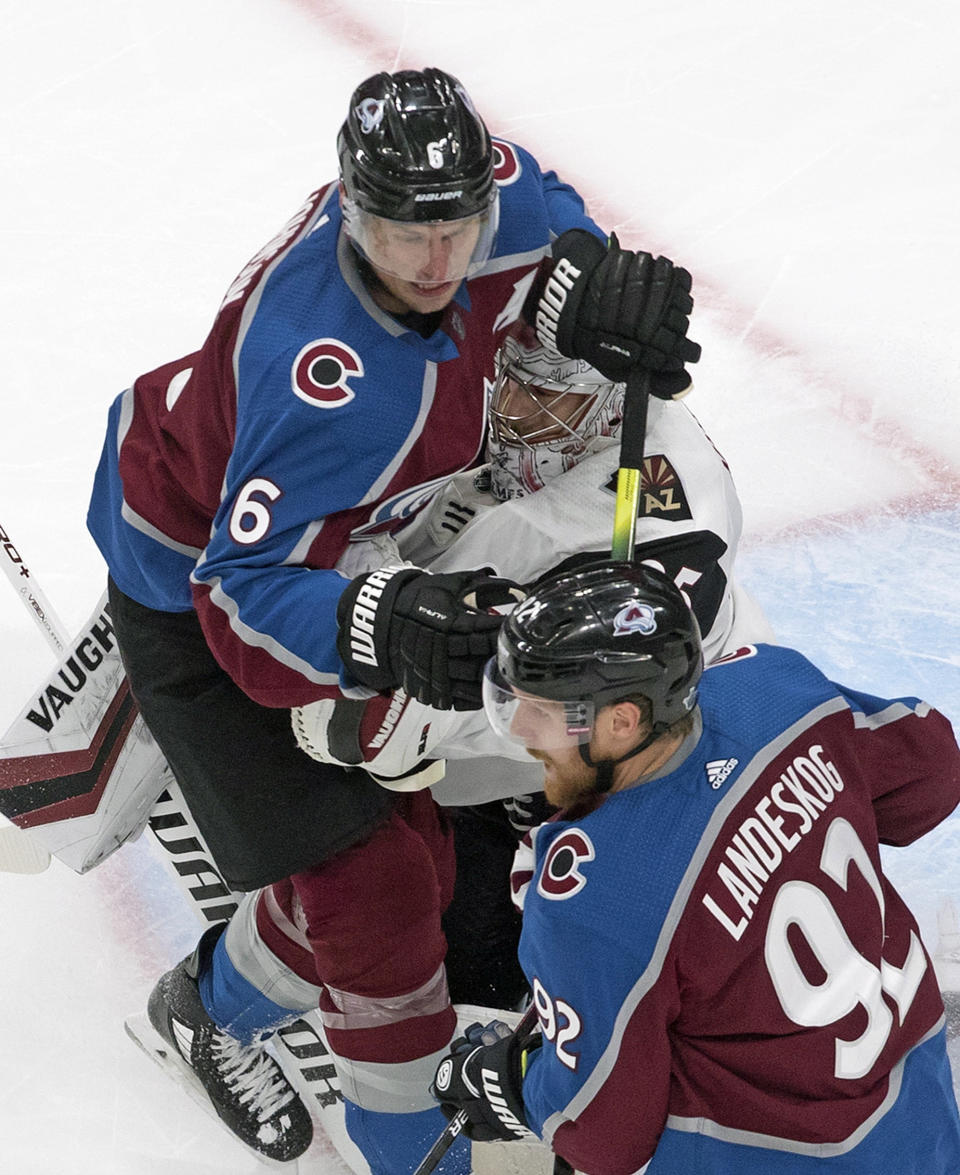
(628, 722)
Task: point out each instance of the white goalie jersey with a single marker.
(689, 526)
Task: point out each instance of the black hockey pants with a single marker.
(266, 809)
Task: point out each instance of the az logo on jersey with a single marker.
(320, 373)
(560, 877)
(661, 491)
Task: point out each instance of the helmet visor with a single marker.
(535, 723)
(426, 252)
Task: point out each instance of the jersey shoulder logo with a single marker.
(506, 163)
(175, 387)
(719, 771)
(386, 515)
(661, 491)
(321, 370)
(560, 877)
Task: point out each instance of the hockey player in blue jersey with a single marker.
(342, 383)
(725, 979)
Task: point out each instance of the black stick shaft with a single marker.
(445, 1139)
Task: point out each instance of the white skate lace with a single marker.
(253, 1075)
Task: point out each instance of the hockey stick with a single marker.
(454, 1127)
(36, 602)
(633, 434)
(20, 853)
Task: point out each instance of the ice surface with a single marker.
(800, 160)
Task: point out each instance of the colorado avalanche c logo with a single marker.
(506, 163)
(635, 617)
(320, 373)
(560, 876)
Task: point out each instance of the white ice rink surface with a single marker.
(800, 160)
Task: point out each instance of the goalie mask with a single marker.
(547, 413)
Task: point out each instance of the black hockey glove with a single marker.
(617, 310)
(430, 635)
(483, 1076)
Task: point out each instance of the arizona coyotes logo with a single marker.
(661, 491)
(506, 163)
(635, 617)
(560, 877)
(321, 370)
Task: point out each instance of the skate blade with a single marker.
(145, 1036)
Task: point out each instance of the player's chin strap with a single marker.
(605, 767)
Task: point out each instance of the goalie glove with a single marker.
(617, 310)
(430, 635)
(483, 1076)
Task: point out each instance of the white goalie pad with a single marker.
(79, 771)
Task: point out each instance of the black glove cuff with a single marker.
(495, 1070)
(363, 615)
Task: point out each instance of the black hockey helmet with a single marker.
(586, 639)
(413, 148)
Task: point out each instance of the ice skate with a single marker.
(243, 1085)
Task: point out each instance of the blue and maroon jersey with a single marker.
(726, 980)
(232, 480)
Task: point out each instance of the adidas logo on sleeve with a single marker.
(719, 770)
